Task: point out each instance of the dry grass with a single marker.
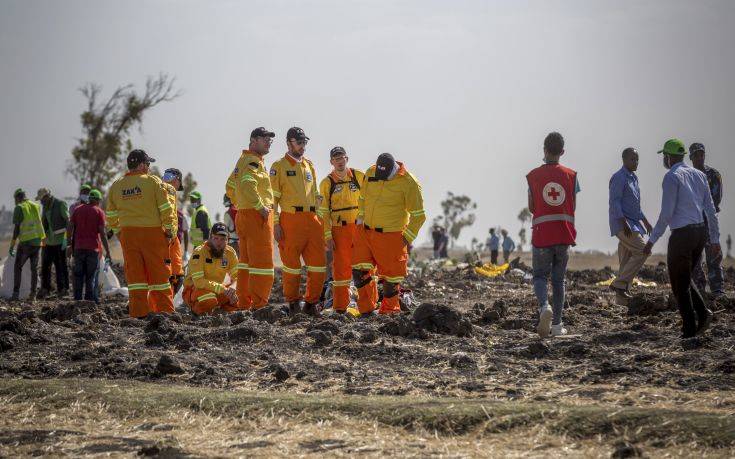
(91, 417)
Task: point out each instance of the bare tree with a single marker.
(106, 127)
(457, 214)
(188, 185)
(524, 216)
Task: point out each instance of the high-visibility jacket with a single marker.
(552, 188)
(339, 199)
(196, 232)
(294, 185)
(392, 205)
(31, 227)
(173, 200)
(249, 185)
(139, 200)
(207, 272)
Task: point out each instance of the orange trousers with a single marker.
(387, 253)
(145, 251)
(176, 255)
(303, 237)
(343, 237)
(255, 267)
(204, 301)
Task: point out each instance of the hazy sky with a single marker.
(462, 91)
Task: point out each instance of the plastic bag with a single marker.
(6, 281)
(109, 283)
(490, 270)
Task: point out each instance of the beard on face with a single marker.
(216, 253)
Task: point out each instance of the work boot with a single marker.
(31, 298)
(544, 324)
(294, 308)
(558, 330)
(704, 322)
(368, 315)
(621, 299)
(312, 309)
(621, 291)
(42, 294)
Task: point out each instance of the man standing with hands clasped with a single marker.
(685, 202)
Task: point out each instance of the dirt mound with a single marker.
(440, 318)
(658, 273)
(647, 304)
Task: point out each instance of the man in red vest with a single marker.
(552, 198)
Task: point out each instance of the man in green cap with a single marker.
(84, 191)
(86, 235)
(200, 221)
(685, 203)
(28, 230)
(55, 219)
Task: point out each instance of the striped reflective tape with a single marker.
(248, 178)
(207, 296)
(218, 288)
(197, 274)
(262, 272)
(160, 287)
(111, 213)
(276, 193)
(164, 206)
(316, 269)
(231, 183)
(363, 266)
(394, 280)
(132, 287)
(553, 218)
(341, 283)
(291, 270)
(242, 266)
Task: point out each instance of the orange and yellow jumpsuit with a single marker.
(391, 211)
(339, 209)
(204, 284)
(295, 192)
(139, 210)
(249, 189)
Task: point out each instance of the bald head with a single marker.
(630, 159)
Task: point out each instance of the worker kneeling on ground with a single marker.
(391, 213)
(204, 288)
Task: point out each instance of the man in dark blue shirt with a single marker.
(713, 261)
(627, 223)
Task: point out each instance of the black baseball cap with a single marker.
(695, 147)
(173, 173)
(261, 132)
(384, 166)
(296, 133)
(137, 157)
(220, 229)
(337, 151)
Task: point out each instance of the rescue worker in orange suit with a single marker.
(249, 189)
(204, 288)
(172, 178)
(552, 199)
(298, 228)
(340, 193)
(390, 216)
(139, 211)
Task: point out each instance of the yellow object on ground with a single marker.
(491, 270)
(353, 312)
(636, 282)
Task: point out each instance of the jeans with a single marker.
(25, 252)
(550, 261)
(54, 255)
(685, 251)
(86, 268)
(714, 271)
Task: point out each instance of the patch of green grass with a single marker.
(446, 415)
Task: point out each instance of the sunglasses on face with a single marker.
(300, 142)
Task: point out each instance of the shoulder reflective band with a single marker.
(553, 218)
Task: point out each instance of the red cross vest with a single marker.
(552, 189)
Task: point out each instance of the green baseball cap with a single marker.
(95, 194)
(85, 187)
(195, 195)
(18, 191)
(674, 147)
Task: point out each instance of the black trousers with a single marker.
(494, 257)
(25, 252)
(86, 263)
(54, 255)
(685, 251)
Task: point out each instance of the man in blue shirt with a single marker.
(628, 224)
(685, 202)
(508, 245)
(493, 244)
(714, 262)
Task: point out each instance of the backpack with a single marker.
(333, 185)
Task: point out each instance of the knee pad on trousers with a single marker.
(361, 278)
(390, 289)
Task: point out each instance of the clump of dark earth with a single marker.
(626, 449)
(168, 365)
(647, 304)
(441, 318)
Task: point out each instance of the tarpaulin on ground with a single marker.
(491, 270)
(636, 282)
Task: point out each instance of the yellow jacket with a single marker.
(207, 272)
(173, 200)
(249, 186)
(392, 205)
(139, 200)
(341, 205)
(294, 185)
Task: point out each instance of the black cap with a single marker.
(695, 147)
(173, 173)
(261, 132)
(137, 157)
(296, 133)
(384, 166)
(337, 151)
(220, 229)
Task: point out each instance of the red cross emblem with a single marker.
(554, 194)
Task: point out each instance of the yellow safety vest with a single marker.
(31, 227)
(197, 235)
